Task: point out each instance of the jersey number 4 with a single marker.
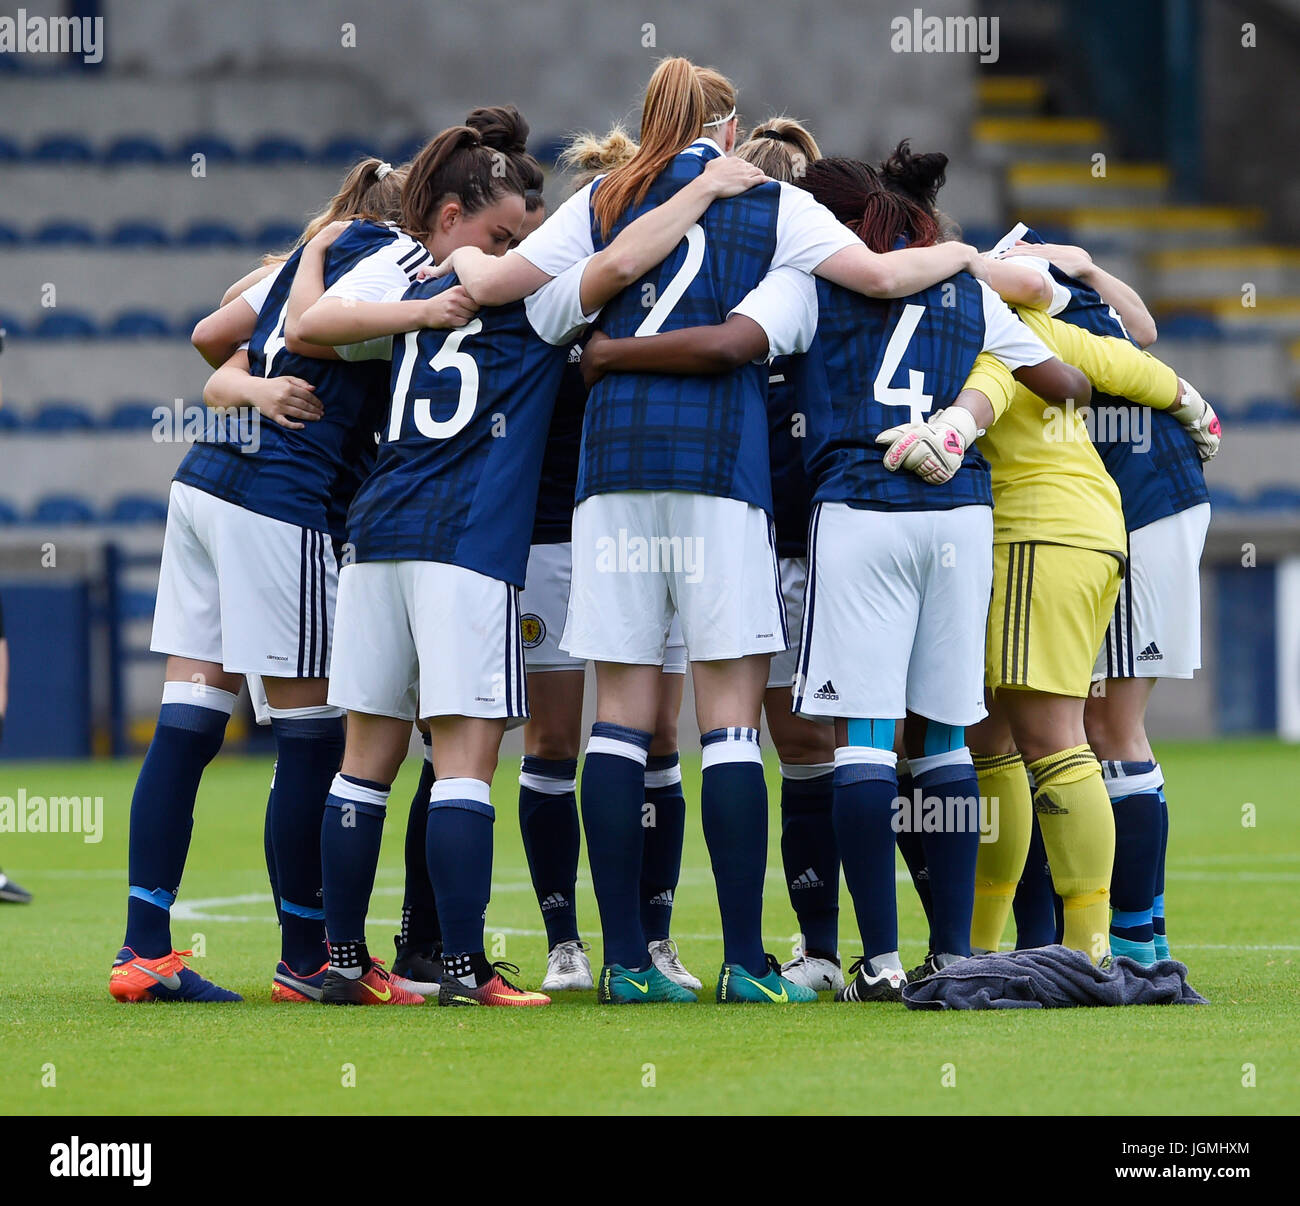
(449, 357)
(912, 395)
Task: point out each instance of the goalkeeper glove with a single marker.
(933, 450)
(1202, 424)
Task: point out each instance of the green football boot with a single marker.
(737, 986)
(618, 986)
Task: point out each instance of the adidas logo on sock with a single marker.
(554, 901)
(827, 691)
(663, 899)
(1150, 654)
(806, 879)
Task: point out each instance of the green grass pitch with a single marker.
(1232, 894)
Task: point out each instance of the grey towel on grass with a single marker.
(1051, 977)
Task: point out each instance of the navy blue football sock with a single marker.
(352, 830)
(191, 727)
(912, 847)
(950, 848)
(420, 928)
(613, 799)
(1158, 906)
(808, 853)
(866, 785)
(665, 829)
(1033, 905)
(733, 809)
(1134, 789)
(268, 850)
(548, 821)
(309, 748)
(458, 847)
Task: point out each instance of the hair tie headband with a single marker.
(382, 170)
(774, 135)
(721, 121)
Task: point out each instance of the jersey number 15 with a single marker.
(449, 356)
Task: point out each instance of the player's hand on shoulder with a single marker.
(976, 264)
(1071, 260)
(728, 176)
(289, 401)
(593, 360)
(328, 233)
(451, 308)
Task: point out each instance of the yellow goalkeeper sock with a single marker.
(1078, 826)
(1001, 862)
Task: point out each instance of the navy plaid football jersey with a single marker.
(460, 453)
(916, 351)
(553, 523)
(1149, 453)
(787, 434)
(304, 477)
(699, 434)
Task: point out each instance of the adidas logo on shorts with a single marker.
(554, 901)
(1150, 654)
(806, 879)
(827, 691)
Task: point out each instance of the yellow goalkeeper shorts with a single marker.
(1048, 616)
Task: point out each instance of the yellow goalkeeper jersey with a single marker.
(1049, 483)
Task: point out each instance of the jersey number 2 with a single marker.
(912, 395)
(681, 281)
(449, 356)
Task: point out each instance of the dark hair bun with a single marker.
(502, 128)
(918, 176)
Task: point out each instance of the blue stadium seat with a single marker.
(62, 508)
(405, 149)
(277, 236)
(137, 508)
(211, 234)
(212, 147)
(140, 233)
(136, 604)
(8, 514)
(9, 421)
(346, 149)
(1269, 410)
(66, 324)
(12, 325)
(65, 234)
(61, 416)
(132, 414)
(548, 149)
(63, 148)
(1189, 326)
(278, 150)
(1277, 498)
(137, 324)
(1224, 499)
(10, 151)
(9, 237)
(135, 148)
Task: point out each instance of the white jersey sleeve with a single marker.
(1060, 294)
(392, 267)
(807, 233)
(784, 304)
(1007, 337)
(564, 238)
(379, 348)
(555, 310)
(256, 294)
